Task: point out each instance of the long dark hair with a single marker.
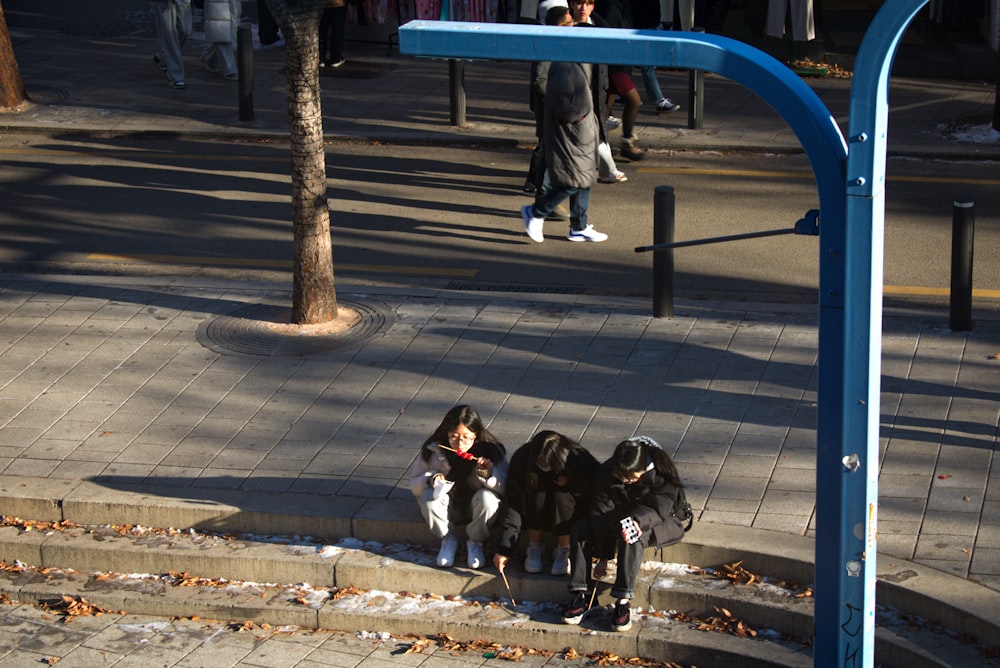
(460, 415)
(550, 448)
(641, 453)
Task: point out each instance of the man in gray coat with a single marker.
(570, 138)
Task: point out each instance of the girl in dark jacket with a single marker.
(633, 507)
(548, 483)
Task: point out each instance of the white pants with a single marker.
(485, 506)
(803, 25)
(605, 160)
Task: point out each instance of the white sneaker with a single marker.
(449, 546)
(533, 558)
(665, 106)
(476, 555)
(533, 226)
(613, 123)
(560, 561)
(586, 234)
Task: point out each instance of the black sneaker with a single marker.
(574, 611)
(163, 66)
(622, 621)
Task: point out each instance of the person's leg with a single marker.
(166, 20)
(435, 512)
(580, 553)
(325, 21)
(606, 167)
(548, 198)
(337, 35)
(485, 506)
(630, 114)
(651, 83)
(267, 27)
(579, 200)
(629, 562)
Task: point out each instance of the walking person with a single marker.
(570, 139)
(172, 19)
(607, 170)
(458, 480)
(332, 29)
(638, 502)
(222, 19)
(646, 15)
(550, 13)
(548, 484)
(617, 15)
(267, 27)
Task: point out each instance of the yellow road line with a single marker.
(914, 290)
(752, 173)
(278, 264)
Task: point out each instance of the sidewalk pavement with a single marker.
(121, 382)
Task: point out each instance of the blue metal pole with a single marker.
(850, 337)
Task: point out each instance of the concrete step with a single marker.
(944, 606)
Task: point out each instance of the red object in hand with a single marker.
(464, 454)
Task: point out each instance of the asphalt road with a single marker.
(448, 216)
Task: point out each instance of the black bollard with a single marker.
(244, 68)
(456, 85)
(963, 225)
(663, 260)
(696, 95)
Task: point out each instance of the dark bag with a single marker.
(682, 511)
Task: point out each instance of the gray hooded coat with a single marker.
(571, 130)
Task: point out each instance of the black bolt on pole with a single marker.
(663, 260)
(963, 226)
(244, 69)
(456, 84)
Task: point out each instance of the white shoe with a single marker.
(446, 556)
(586, 234)
(613, 123)
(477, 557)
(533, 226)
(560, 561)
(664, 105)
(533, 558)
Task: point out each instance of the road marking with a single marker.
(278, 264)
(914, 290)
(752, 173)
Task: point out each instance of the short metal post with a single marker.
(696, 95)
(963, 225)
(244, 69)
(456, 86)
(663, 260)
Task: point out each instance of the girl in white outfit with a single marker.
(458, 479)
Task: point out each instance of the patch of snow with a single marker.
(977, 134)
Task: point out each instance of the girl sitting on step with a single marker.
(458, 479)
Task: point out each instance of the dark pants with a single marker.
(331, 34)
(267, 27)
(595, 536)
(552, 511)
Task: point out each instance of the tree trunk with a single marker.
(314, 299)
(11, 86)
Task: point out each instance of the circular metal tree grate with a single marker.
(247, 331)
